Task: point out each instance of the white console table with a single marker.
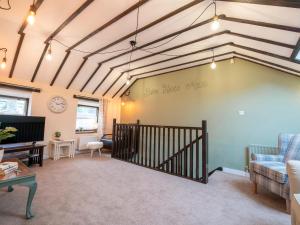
(62, 148)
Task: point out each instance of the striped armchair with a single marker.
(269, 170)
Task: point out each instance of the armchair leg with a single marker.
(288, 206)
(255, 188)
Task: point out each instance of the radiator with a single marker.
(83, 140)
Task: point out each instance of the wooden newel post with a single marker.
(204, 152)
(137, 136)
(114, 138)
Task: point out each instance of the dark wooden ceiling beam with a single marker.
(248, 49)
(69, 19)
(76, 73)
(262, 24)
(60, 67)
(107, 24)
(39, 63)
(60, 28)
(281, 3)
(262, 52)
(160, 74)
(166, 60)
(236, 55)
(103, 79)
(92, 75)
(153, 23)
(268, 62)
(172, 48)
(162, 39)
(21, 39)
(199, 60)
(197, 40)
(180, 64)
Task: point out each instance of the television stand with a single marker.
(34, 153)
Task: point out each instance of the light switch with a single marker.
(241, 112)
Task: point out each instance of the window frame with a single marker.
(16, 97)
(87, 130)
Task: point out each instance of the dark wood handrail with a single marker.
(179, 152)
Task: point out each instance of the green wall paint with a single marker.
(270, 99)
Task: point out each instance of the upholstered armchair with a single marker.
(269, 170)
(293, 169)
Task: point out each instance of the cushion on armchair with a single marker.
(264, 157)
(284, 140)
(293, 150)
(273, 170)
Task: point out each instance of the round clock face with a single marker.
(57, 104)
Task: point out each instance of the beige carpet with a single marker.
(100, 191)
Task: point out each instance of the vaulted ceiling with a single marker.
(90, 39)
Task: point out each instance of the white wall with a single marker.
(66, 121)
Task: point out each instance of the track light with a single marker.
(127, 81)
(3, 63)
(49, 53)
(232, 61)
(31, 15)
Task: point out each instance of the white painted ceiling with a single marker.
(52, 13)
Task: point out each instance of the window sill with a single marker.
(85, 131)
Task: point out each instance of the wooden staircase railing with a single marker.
(177, 150)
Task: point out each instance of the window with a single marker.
(10, 105)
(87, 118)
(298, 56)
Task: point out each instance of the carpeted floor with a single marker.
(105, 191)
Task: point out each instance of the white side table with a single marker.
(57, 148)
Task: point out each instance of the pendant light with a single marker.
(132, 43)
(31, 14)
(3, 63)
(215, 25)
(213, 64)
(49, 53)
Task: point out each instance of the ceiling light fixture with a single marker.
(8, 6)
(213, 64)
(31, 14)
(3, 63)
(49, 53)
(216, 23)
(133, 44)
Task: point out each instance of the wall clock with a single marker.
(57, 104)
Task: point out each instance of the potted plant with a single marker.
(5, 133)
(57, 135)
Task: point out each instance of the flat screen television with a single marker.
(30, 128)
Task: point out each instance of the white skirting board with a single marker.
(236, 172)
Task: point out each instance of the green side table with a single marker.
(24, 177)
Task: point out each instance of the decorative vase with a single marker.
(1, 153)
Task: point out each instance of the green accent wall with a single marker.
(269, 98)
